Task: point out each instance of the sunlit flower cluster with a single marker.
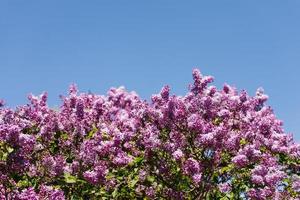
(208, 144)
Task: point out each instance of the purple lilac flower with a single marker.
(224, 187)
(119, 140)
(28, 194)
(178, 154)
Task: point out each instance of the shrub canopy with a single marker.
(208, 144)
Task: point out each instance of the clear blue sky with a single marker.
(143, 45)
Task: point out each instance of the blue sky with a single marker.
(143, 45)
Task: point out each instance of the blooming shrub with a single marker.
(208, 144)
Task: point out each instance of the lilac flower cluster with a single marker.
(208, 144)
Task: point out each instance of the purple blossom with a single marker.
(224, 187)
(257, 179)
(296, 183)
(122, 159)
(2, 102)
(54, 165)
(240, 160)
(48, 192)
(178, 154)
(150, 192)
(210, 138)
(191, 166)
(142, 175)
(165, 92)
(97, 175)
(28, 194)
(197, 178)
(27, 142)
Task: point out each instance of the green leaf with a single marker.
(243, 141)
(105, 136)
(5, 150)
(227, 168)
(115, 193)
(217, 121)
(133, 181)
(69, 178)
(64, 136)
(151, 179)
(23, 183)
(137, 161)
(9, 149)
(91, 133)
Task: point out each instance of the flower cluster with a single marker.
(208, 144)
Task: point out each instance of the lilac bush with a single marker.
(208, 144)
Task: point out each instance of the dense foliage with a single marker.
(208, 144)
